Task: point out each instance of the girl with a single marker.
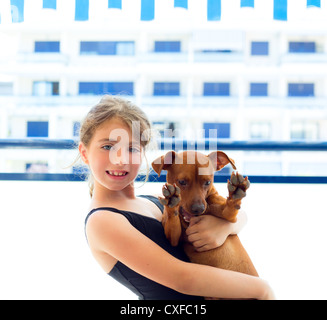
(124, 232)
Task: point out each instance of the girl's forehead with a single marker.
(114, 130)
(115, 123)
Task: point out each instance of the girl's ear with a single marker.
(83, 153)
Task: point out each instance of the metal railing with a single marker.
(170, 144)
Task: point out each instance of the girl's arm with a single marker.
(208, 232)
(114, 235)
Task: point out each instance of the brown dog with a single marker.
(190, 192)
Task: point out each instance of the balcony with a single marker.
(45, 254)
(49, 101)
(299, 103)
(167, 57)
(304, 58)
(40, 58)
(176, 104)
(210, 57)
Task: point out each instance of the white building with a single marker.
(247, 76)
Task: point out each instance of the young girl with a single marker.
(124, 232)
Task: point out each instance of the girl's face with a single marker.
(113, 155)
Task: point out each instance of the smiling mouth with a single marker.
(117, 173)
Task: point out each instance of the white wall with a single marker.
(44, 254)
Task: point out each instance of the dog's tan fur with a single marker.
(190, 187)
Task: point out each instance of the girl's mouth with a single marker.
(117, 174)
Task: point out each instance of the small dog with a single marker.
(190, 192)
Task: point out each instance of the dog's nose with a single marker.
(198, 208)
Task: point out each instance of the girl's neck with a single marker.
(102, 195)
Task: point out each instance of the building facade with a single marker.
(246, 78)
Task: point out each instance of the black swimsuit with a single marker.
(144, 288)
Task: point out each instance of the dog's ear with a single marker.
(220, 159)
(163, 162)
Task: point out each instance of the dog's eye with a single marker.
(182, 182)
(207, 183)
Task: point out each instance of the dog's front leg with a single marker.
(228, 208)
(171, 221)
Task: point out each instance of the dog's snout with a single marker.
(198, 208)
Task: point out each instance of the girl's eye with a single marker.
(108, 147)
(134, 150)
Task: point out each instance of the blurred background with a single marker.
(240, 72)
(192, 66)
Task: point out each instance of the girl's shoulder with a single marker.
(105, 221)
(154, 199)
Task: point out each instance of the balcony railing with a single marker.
(154, 102)
(170, 144)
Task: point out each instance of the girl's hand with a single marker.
(208, 232)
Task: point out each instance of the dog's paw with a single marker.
(237, 186)
(172, 195)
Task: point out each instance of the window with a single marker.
(181, 4)
(304, 131)
(82, 10)
(302, 47)
(44, 88)
(217, 130)
(107, 48)
(247, 3)
(115, 4)
(100, 88)
(47, 46)
(166, 89)
(217, 51)
(50, 4)
(125, 48)
(81, 170)
(36, 167)
(76, 128)
(216, 89)
(260, 48)
(6, 89)
(166, 129)
(258, 89)
(301, 90)
(167, 46)
(37, 129)
(260, 130)
(220, 131)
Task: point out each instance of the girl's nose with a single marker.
(119, 157)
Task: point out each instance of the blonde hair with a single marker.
(109, 108)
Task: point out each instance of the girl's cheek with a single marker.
(136, 159)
